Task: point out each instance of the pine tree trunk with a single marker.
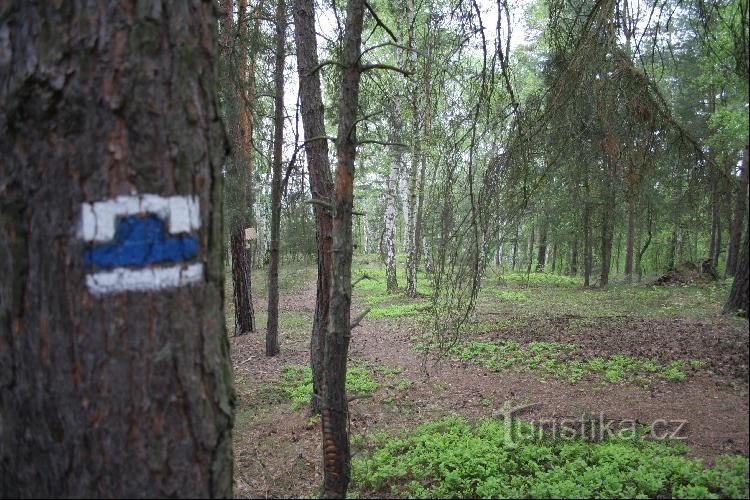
(515, 247)
(244, 316)
(630, 242)
(587, 239)
(321, 185)
(738, 219)
(119, 388)
(335, 415)
(272, 328)
(542, 251)
(574, 255)
(738, 295)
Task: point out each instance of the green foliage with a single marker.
(560, 360)
(537, 279)
(297, 383)
(397, 310)
(451, 458)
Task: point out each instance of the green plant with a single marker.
(296, 381)
(451, 458)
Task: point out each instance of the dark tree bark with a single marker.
(239, 169)
(588, 253)
(554, 256)
(531, 249)
(738, 295)
(630, 242)
(321, 185)
(106, 392)
(738, 219)
(244, 315)
(574, 255)
(335, 415)
(542, 251)
(272, 328)
(515, 246)
(642, 252)
(608, 212)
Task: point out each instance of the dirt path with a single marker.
(277, 450)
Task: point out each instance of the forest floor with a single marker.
(658, 356)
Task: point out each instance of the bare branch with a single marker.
(369, 67)
(380, 22)
(321, 65)
(358, 319)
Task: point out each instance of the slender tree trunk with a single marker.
(642, 252)
(272, 328)
(418, 231)
(738, 220)
(531, 250)
(515, 247)
(411, 223)
(574, 255)
(554, 256)
(115, 382)
(390, 222)
(738, 295)
(630, 241)
(244, 316)
(608, 213)
(397, 154)
(542, 252)
(335, 415)
(321, 185)
(588, 253)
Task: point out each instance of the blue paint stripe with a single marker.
(141, 241)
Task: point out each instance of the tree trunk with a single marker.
(240, 91)
(531, 249)
(515, 247)
(419, 236)
(542, 252)
(642, 252)
(272, 328)
(411, 223)
(115, 377)
(554, 256)
(606, 248)
(390, 221)
(335, 415)
(738, 220)
(630, 241)
(321, 185)
(244, 315)
(588, 253)
(738, 295)
(574, 255)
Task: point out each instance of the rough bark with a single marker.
(574, 255)
(642, 252)
(321, 185)
(738, 295)
(244, 315)
(238, 88)
(272, 326)
(738, 219)
(629, 245)
(515, 246)
(121, 394)
(587, 240)
(542, 250)
(335, 414)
